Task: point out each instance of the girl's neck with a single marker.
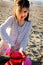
(20, 23)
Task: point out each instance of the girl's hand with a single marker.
(12, 49)
(0, 53)
(21, 51)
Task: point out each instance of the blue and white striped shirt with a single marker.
(20, 34)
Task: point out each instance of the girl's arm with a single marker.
(3, 28)
(26, 39)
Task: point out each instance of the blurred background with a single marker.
(34, 49)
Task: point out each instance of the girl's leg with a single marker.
(3, 46)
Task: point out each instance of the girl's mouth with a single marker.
(22, 16)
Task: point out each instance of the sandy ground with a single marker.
(35, 46)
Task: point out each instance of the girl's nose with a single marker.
(24, 15)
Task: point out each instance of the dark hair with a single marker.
(22, 4)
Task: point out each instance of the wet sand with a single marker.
(35, 46)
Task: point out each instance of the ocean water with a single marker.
(37, 3)
(34, 3)
(8, 0)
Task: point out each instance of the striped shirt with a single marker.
(19, 35)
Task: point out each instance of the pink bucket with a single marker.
(27, 61)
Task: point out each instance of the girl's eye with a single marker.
(25, 11)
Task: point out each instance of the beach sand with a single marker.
(35, 46)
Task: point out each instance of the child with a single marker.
(20, 28)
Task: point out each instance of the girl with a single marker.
(20, 28)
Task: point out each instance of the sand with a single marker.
(35, 46)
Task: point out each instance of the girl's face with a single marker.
(21, 14)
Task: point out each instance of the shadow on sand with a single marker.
(38, 62)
